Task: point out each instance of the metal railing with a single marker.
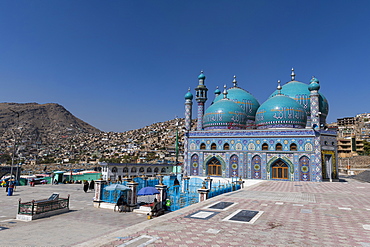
(42, 206)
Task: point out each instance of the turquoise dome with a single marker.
(201, 76)
(188, 95)
(244, 99)
(314, 86)
(217, 91)
(299, 92)
(224, 114)
(281, 111)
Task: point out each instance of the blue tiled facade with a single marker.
(272, 152)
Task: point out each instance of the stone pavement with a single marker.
(82, 223)
(290, 214)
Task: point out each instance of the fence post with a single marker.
(98, 191)
(203, 194)
(209, 182)
(161, 197)
(133, 192)
(186, 184)
(33, 207)
(19, 205)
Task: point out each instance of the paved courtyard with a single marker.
(82, 223)
(269, 213)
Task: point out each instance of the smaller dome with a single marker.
(224, 114)
(201, 76)
(314, 86)
(244, 99)
(281, 111)
(189, 95)
(217, 91)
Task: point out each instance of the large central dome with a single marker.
(281, 111)
(300, 93)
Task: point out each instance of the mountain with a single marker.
(40, 122)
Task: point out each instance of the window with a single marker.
(226, 146)
(278, 147)
(114, 169)
(265, 146)
(133, 169)
(156, 170)
(214, 167)
(279, 170)
(163, 170)
(141, 169)
(125, 170)
(293, 147)
(149, 169)
(202, 146)
(213, 146)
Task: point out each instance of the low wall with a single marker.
(25, 217)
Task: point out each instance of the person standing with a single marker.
(86, 186)
(121, 203)
(92, 184)
(11, 188)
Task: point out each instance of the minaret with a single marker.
(188, 111)
(314, 98)
(201, 98)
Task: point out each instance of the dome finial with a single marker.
(292, 74)
(279, 87)
(217, 91)
(225, 92)
(235, 81)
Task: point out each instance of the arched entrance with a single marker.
(279, 170)
(214, 167)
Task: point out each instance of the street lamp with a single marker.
(14, 146)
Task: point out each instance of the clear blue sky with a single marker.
(121, 65)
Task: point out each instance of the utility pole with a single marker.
(14, 146)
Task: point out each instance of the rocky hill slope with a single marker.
(40, 121)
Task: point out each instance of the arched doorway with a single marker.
(214, 167)
(279, 170)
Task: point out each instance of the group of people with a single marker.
(156, 210)
(88, 185)
(10, 186)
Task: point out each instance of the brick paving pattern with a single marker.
(294, 214)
